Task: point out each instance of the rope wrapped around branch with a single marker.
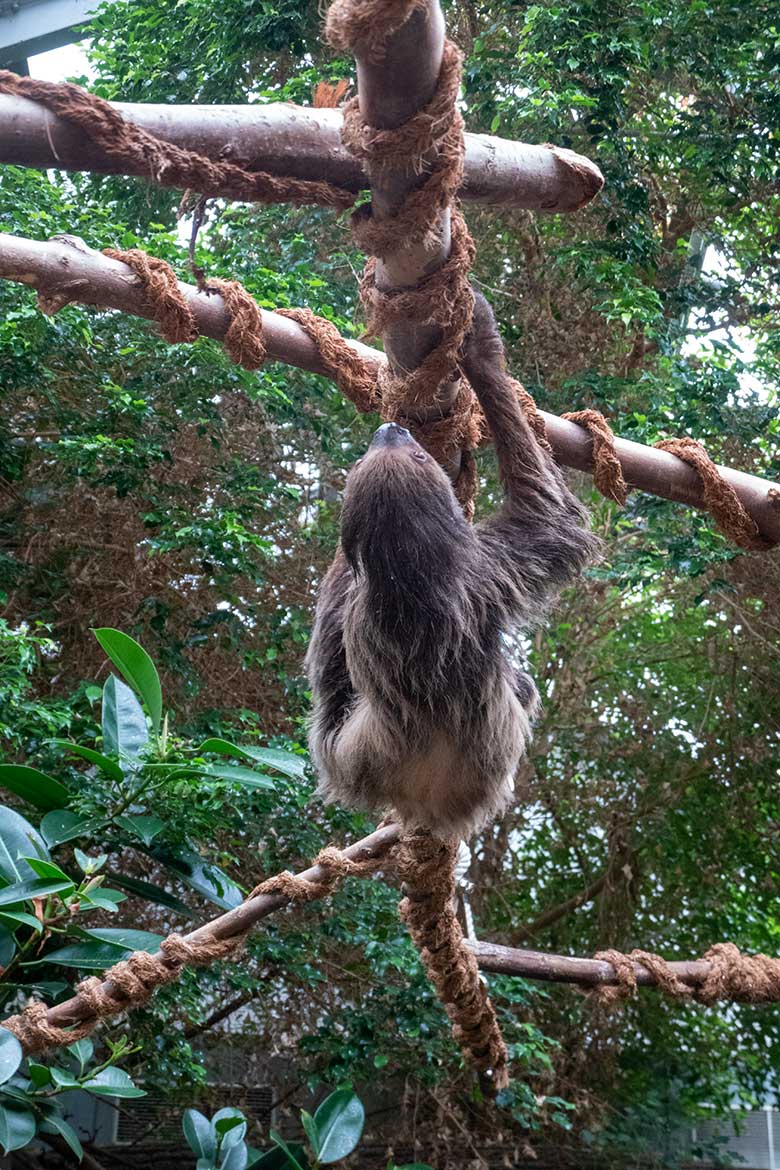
(131, 982)
(733, 976)
(165, 163)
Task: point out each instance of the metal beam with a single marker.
(28, 27)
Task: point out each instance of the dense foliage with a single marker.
(164, 492)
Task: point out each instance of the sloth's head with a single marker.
(399, 507)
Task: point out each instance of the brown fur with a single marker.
(416, 706)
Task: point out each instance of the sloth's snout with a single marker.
(391, 435)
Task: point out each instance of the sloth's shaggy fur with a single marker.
(416, 706)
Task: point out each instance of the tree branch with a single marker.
(64, 270)
(585, 972)
(305, 143)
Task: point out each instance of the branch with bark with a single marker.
(304, 143)
(64, 271)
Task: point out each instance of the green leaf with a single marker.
(85, 956)
(48, 870)
(292, 1161)
(199, 1134)
(11, 1055)
(339, 1120)
(64, 1078)
(112, 1082)
(235, 1157)
(40, 1074)
(311, 1131)
(151, 893)
(64, 825)
(230, 1125)
(56, 1124)
(17, 1127)
(124, 724)
(207, 879)
(110, 767)
(15, 918)
(89, 865)
(34, 786)
(83, 1050)
(126, 939)
(286, 1157)
(103, 899)
(136, 667)
(285, 762)
(16, 837)
(8, 946)
(144, 827)
(34, 888)
(239, 775)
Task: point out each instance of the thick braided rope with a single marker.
(427, 867)
(244, 336)
(733, 977)
(607, 472)
(164, 163)
(429, 144)
(131, 982)
(359, 382)
(724, 505)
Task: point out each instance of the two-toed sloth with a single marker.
(416, 707)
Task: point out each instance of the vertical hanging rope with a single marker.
(427, 869)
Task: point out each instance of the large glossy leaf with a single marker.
(238, 775)
(234, 1158)
(285, 762)
(127, 939)
(151, 893)
(33, 786)
(47, 870)
(207, 879)
(124, 724)
(17, 1127)
(339, 1121)
(56, 1124)
(90, 956)
(113, 1082)
(64, 825)
(110, 767)
(136, 667)
(11, 1055)
(230, 1124)
(17, 839)
(144, 827)
(199, 1134)
(34, 887)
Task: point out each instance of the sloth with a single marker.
(416, 706)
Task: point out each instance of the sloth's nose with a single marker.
(391, 435)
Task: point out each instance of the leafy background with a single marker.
(163, 492)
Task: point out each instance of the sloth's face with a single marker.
(398, 501)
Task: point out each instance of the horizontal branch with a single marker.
(237, 922)
(585, 972)
(302, 142)
(65, 270)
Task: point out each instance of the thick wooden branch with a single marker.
(65, 270)
(238, 921)
(390, 93)
(584, 972)
(285, 139)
